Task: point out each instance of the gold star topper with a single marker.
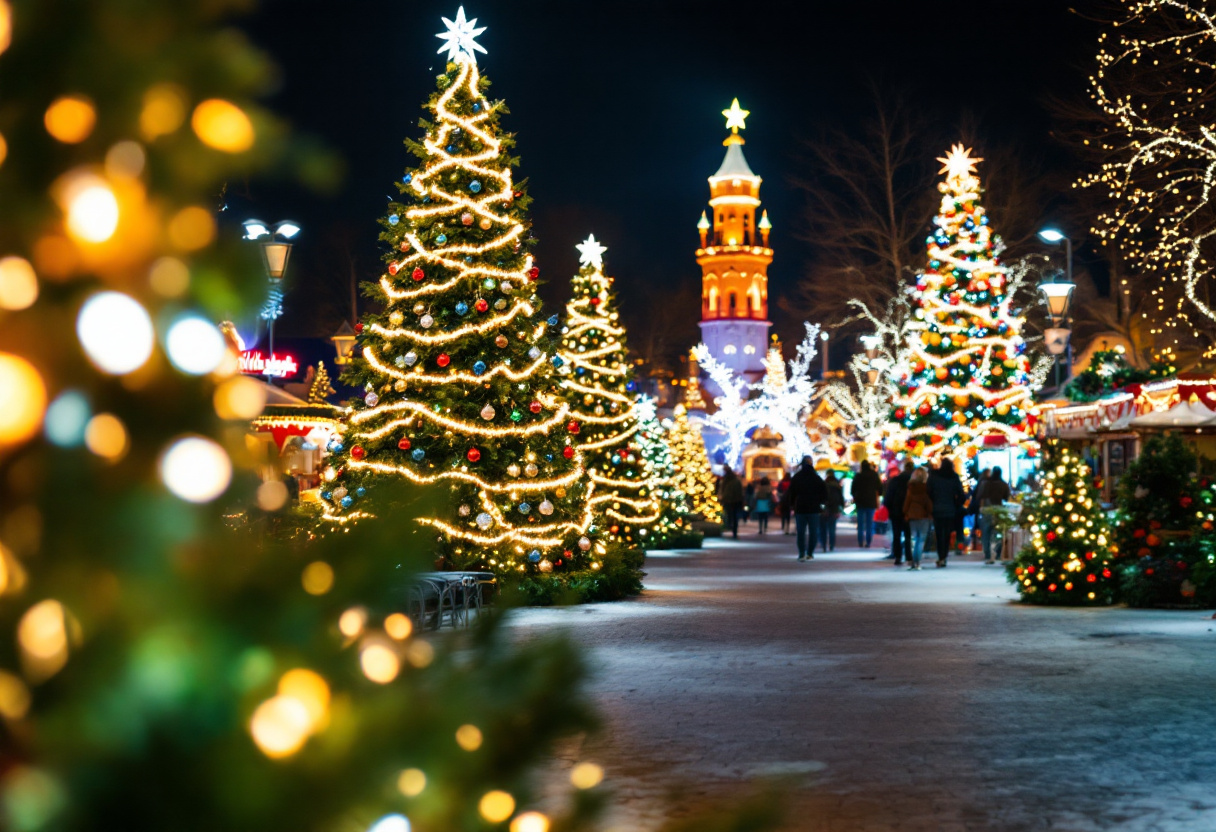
(958, 162)
(735, 116)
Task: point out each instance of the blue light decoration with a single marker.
(462, 308)
(534, 556)
(417, 454)
(475, 186)
(479, 367)
(393, 219)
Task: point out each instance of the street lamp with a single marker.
(1058, 294)
(275, 244)
(825, 336)
(344, 343)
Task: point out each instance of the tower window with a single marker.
(729, 349)
(733, 302)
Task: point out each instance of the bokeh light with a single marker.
(14, 696)
(398, 626)
(586, 776)
(106, 436)
(469, 737)
(419, 652)
(223, 126)
(6, 25)
(169, 277)
(18, 283)
(22, 399)
(67, 418)
(70, 119)
(126, 159)
(352, 622)
(496, 806)
(239, 398)
(272, 495)
(191, 228)
(92, 208)
(530, 822)
(196, 469)
(42, 634)
(3, 148)
(279, 726)
(379, 663)
(195, 345)
(308, 688)
(163, 112)
(12, 573)
(391, 823)
(317, 578)
(116, 332)
(411, 782)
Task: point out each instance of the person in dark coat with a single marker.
(832, 508)
(867, 491)
(893, 498)
(946, 492)
(973, 508)
(783, 503)
(993, 492)
(730, 495)
(807, 497)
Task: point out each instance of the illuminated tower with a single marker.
(734, 257)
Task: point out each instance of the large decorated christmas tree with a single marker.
(967, 383)
(598, 382)
(693, 474)
(1070, 559)
(459, 368)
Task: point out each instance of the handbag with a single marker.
(882, 515)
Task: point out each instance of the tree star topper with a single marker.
(459, 38)
(591, 253)
(735, 116)
(958, 162)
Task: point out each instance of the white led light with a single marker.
(195, 345)
(196, 469)
(116, 332)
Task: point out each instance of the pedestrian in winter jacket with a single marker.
(730, 495)
(867, 491)
(946, 491)
(918, 514)
(807, 496)
(893, 499)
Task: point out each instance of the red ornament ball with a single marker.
(482, 305)
(534, 407)
(517, 194)
(418, 274)
(358, 328)
(533, 273)
(899, 413)
(572, 427)
(393, 268)
(924, 409)
(443, 360)
(404, 444)
(405, 245)
(568, 452)
(595, 301)
(473, 454)
(357, 452)
(1051, 536)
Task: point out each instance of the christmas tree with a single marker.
(968, 379)
(1069, 560)
(598, 382)
(320, 389)
(671, 525)
(693, 475)
(459, 369)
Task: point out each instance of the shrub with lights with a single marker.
(693, 474)
(597, 380)
(672, 527)
(1166, 516)
(459, 368)
(968, 377)
(1069, 560)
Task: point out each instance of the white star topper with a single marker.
(459, 38)
(591, 253)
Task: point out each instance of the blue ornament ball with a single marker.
(468, 258)
(462, 308)
(348, 501)
(334, 447)
(327, 495)
(441, 239)
(557, 361)
(450, 149)
(552, 320)
(549, 457)
(534, 556)
(632, 386)
(476, 107)
(417, 454)
(394, 219)
(479, 367)
(475, 186)
(524, 508)
(360, 491)
(408, 178)
(579, 370)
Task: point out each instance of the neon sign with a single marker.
(255, 363)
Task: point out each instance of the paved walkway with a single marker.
(896, 700)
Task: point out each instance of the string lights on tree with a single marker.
(597, 379)
(693, 474)
(458, 372)
(968, 377)
(671, 526)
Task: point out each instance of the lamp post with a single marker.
(824, 337)
(274, 244)
(1058, 295)
(344, 343)
(870, 344)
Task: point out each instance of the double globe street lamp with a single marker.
(1058, 294)
(274, 243)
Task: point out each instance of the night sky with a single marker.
(616, 107)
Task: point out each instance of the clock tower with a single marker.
(734, 258)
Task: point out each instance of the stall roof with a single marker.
(1182, 415)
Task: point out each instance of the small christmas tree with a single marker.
(670, 527)
(693, 475)
(321, 388)
(459, 368)
(598, 383)
(1165, 527)
(1069, 560)
(968, 377)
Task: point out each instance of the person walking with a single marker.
(749, 497)
(867, 491)
(783, 502)
(994, 492)
(973, 509)
(762, 503)
(730, 495)
(832, 507)
(893, 498)
(807, 496)
(946, 492)
(918, 513)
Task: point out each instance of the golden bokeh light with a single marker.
(169, 277)
(3, 148)
(70, 119)
(18, 283)
(280, 726)
(419, 653)
(317, 578)
(6, 25)
(163, 112)
(398, 626)
(379, 663)
(239, 399)
(42, 635)
(106, 436)
(14, 696)
(496, 806)
(126, 159)
(22, 399)
(196, 469)
(469, 737)
(411, 782)
(272, 495)
(12, 573)
(530, 822)
(352, 622)
(307, 687)
(223, 126)
(91, 207)
(586, 776)
(191, 228)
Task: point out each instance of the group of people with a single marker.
(917, 500)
